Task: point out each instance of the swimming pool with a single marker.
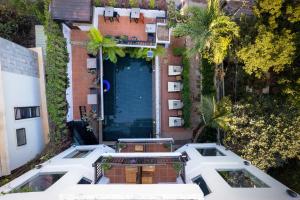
(128, 103)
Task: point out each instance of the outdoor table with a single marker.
(150, 28)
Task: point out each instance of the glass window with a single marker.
(79, 154)
(27, 112)
(21, 136)
(210, 152)
(202, 184)
(38, 183)
(85, 181)
(241, 178)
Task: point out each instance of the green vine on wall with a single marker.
(56, 76)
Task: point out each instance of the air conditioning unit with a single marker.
(91, 63)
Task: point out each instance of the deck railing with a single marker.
(98, 170)
(136, 43)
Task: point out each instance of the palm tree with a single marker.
(214, 115)
(210, 30)
(108, 45)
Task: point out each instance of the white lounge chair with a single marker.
(176, 122)
(175, 104)
(175, 70)
(92, 99)
(174, 86)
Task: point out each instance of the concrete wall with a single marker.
(20, 88)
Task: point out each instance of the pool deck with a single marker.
(81, 79)
(178, 133)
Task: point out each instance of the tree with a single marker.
(108, 45)
(214, 115)
(265, 131)
(210, 30)
(269, 52)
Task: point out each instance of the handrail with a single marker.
(136, 42)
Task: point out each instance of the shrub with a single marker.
(178, 51)
(133, 3)
(207, 71)
(97, 3)
(57, 80)
(151, 4)
(112, 3)
(186, 92)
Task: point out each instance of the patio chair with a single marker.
(131, 174)
(116, 16)
(174, 70)
(175, 104)
(176, 122)
(174, 86)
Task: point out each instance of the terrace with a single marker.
(133, 27)
(145, 145)
(142, 168)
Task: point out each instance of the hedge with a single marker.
(56, 77)
(207, 72)
(186, 91)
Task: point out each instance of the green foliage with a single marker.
(151, 4)
(22, 190)
(57, 81)
(174, 15)
(178, 51)
(142, 52)
(269, 52)
(133, 3)
(186, 94)
(97, 3)
(177, 167)
(210, 30)
(207, 71)
(112, 3)
(264, 130)
(106, 166)
(293, 13)
(108, 45)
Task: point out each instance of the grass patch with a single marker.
(186, 98)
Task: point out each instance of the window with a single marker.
(85, 181)
(27, 112)
(202, 184)
(79, 154)
(39, 183)
(21, 137)
(241, 178)
(210, 152)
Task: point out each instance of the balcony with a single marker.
(154, 168)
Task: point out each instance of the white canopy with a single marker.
(175, 70)
(174, 86)
(175, 104)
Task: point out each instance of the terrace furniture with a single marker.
(179, 113)
(175, 104)
(175, 70)
(91, 63)
(135, 14)
(150, 28)
(116, 16)
(108, 13)
(92, 99)
(131, 174)
(178, 78)
(148, 174)
(174, 86)
(176, 122)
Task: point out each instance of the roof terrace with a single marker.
(140, 168)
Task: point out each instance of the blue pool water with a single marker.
(128, 103)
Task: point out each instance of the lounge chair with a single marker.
(176, 122)
(174, 86)
(92, 99)
(175, 70)
(175, 104)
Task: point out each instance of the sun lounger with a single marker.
(175, 70)
(175, 104)
(174, 86)
(176, 122)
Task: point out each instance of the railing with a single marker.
(161, 20)
(98, 170)
(136, 43)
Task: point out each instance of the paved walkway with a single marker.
(166, 131)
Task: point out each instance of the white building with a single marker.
(210, 172)
(23, 112)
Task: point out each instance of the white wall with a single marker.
(20, 90)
